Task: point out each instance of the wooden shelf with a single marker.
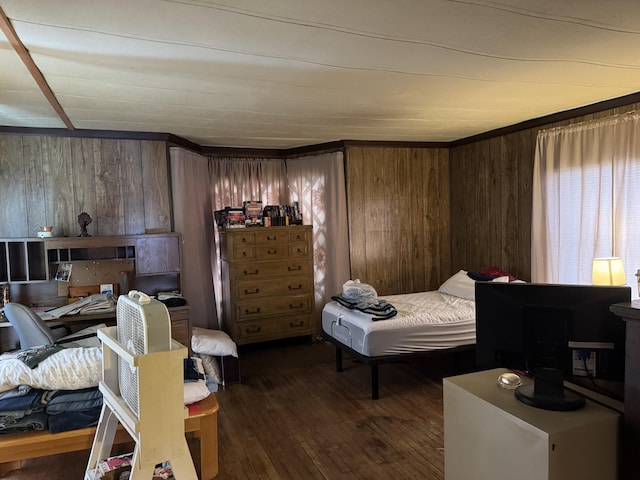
(27, 260)
(23, 260)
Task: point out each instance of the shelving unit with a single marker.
(28, 260)
(23, 260)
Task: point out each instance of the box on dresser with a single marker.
(267, 277)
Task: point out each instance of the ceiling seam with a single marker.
(25, 56)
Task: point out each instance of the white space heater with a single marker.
(143, 326)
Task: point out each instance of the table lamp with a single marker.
(608, 271)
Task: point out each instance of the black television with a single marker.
(555, 333)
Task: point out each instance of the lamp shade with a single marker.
(608, 271)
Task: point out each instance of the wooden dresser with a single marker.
(267, 278)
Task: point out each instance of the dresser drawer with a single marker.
(302, 235)
(298, 250)
(273, 306)
(271, 269)
(273, 287)
(271, 328)
(272, 252)
(243, 252)
(272, 236)
(245, 238)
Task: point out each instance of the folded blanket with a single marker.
(19, 391)
(29, 401)
(63, 422)
(377, 308)
(74, 400)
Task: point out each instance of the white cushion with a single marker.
(196, 391)
(460, 285)
(504, 279)
(211, 367)
(213, 342)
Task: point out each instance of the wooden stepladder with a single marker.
(155, 420)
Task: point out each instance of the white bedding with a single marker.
(425, 321)
(67, 369)
(73, 369)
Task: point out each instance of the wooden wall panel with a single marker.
(58, 174)
(34, 184)
(155, 182)
(13, 209)
(50, 180)
(83, 161)
(398, 204)
(491, 198)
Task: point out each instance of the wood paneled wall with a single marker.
(45, 180)
(399, 220)
(491, 199)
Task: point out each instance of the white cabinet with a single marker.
(489, 434)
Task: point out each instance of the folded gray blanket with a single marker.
(378, 309)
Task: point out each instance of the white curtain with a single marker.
(192, 207)
(586, 199)
(317, 183)
(234, 180)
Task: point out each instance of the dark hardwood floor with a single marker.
(294, 417)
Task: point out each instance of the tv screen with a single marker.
(567, 328)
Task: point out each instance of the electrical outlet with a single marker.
(580, 359)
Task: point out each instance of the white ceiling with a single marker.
(287, 73)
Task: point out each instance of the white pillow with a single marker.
(504, 279)
(196, 391)
(460, 285)
(211, 367)
(212, 342)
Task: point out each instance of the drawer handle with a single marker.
(255, 272)
(253, 330)
(272, 252)
(299, 287)
(243, 240)
(247, 292)
(295, 269)
(296, 325)
(300, 250)
(271, 239)
(252, 312)
(296, 307)
(244, 254)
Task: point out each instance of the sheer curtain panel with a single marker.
(586, 199)
(317, 183)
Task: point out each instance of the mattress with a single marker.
(425, 321)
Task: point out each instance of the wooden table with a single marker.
(202, 421)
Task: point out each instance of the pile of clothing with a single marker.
(25, 408)
(364, 298)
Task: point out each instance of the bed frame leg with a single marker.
(375, 386)
(338, 360)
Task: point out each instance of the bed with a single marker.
(425, 324)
